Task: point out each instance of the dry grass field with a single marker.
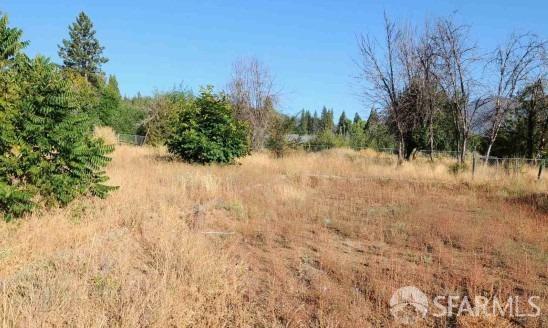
(309, 240)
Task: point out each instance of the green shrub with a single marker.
(458, 167)
(277, 141)
(50, 156)
(127, 120)
(159, 111)
(358, 137)
(206, 131)
(326, 140)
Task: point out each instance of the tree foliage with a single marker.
(82, 51)
(52, 157)
(48, 155)
(109, 102)
(10, 41)
(206, 131)
(277, 141)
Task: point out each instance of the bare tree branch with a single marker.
(253, 96)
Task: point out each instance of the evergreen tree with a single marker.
(82, 51)
(343, 126)
(303, 123)
(357, 118)
(310, 122)
(373, 119)
(323, 118)
(377, 133)
(315, 126)
(326, 120)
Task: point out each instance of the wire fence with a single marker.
(505, 165)
(131, 139)
(508, 165)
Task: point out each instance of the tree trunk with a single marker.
(463, 149)
(400, 150)
(488, 152)
(530, 133)
(431, 128)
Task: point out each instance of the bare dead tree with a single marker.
(515, 64)
(382, 76)
(254, 97)
(427, 61)
(416, 99)
(456, 57)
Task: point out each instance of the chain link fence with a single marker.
(131, 139)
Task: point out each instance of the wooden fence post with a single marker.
(540, 169)
(473, 164)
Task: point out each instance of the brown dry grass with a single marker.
(106, 133)
(316, 240)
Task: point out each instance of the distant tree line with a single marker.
(357, 133)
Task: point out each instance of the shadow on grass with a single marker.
(537, 201)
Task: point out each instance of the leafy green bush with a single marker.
(277, 141)
(206, 131)
(358, 137)
(128, 119)
(326, 140)
(49, 155)
(161, 109)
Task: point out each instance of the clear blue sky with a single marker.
(308, 45)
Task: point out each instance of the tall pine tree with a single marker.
(82, 51)
(343, 127)
(326, 120)
(303, 123)
(357, 118)
(315, 126)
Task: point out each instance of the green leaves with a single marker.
(50, 156)
(205, 131)
(14, 201)
(10, 41)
